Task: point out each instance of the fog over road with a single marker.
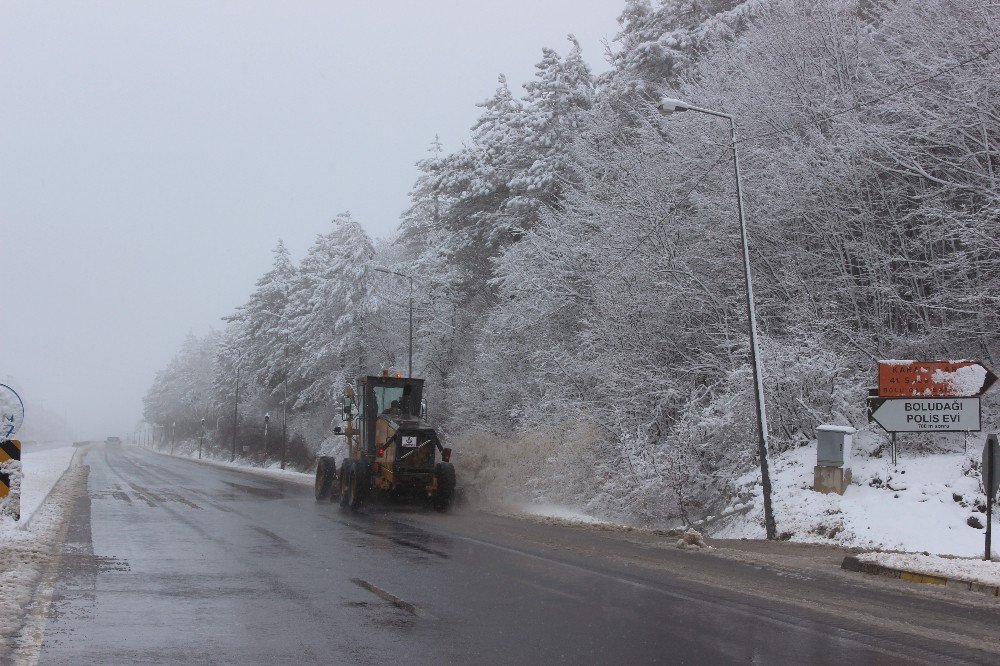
(170, 561)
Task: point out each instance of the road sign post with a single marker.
(991, 479)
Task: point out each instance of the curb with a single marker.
(852, 563)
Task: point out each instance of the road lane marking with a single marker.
(387, 596)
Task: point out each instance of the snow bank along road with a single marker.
(170, 561)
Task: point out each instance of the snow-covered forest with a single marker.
(580, 311)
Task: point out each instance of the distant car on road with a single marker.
(113, 440)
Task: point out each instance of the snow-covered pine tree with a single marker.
(555, 104)
(331, 309)
(261, 327)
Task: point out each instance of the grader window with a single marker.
(385, 396)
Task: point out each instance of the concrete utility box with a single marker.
(831, 479)
(833, 445)
(832, 473)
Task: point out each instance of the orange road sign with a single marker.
(10, 449)
(933, 379)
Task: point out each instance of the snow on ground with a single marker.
(922, 504)
(273, 470)
(557, 511)
(971, 570)
(26, 545)
(41, 471)
(42, 468)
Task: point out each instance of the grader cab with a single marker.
(392, 450)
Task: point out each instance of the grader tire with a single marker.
(345, 479)
(357, 484)
(325, 474)
(445, 473)
(334, 482)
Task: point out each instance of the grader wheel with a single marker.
(325, 475)
(445, 473)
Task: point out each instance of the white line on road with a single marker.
(387, 596)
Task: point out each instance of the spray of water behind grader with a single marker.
(392, 450)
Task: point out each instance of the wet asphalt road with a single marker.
(171, 561)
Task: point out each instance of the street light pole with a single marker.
(667, 106)
(409, 369)
(284, 393)
(236, 413)
(284, 405)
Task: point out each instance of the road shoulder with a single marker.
(30, 556)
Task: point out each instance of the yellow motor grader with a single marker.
(393, 451)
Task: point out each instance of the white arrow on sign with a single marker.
(928, 414)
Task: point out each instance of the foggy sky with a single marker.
(151, 154)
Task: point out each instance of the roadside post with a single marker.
(267, 419)
(201, 438)
(11, 474)
(991, 479)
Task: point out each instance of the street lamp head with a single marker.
(669, 105)
(386, 270)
